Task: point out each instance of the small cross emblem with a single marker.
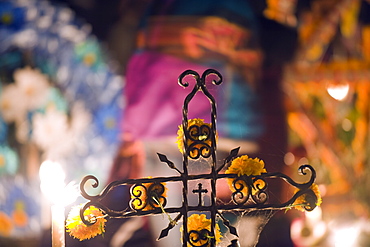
(200, 191)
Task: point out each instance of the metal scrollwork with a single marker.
(199, 138)
(199, 133)
(88, 220)
(138, 193)
(311, 200)
(94, 185)
(249, 187)
(259, 195)
(156, 198)
(148, 195)
(242, 190)
(199, 238)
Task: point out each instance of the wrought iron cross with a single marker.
(199, 142)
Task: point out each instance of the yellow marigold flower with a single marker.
(306, 199)
(198, 222)
(244, 165)
(153, 194)
(6, 225)
(78, 229)
(200, 136)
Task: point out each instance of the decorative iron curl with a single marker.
(89, 220)
(200, 141)
(209, 72)
(302, 171)
(259, 195)
(94, 185)
(147, 197)
(311, 200)
(199, 133)
(181, 80)
(199, 238)
(96, 200)
(246, 187)
(200, 80)
(242, 190)
(195, 150)
(137, 191)
(156, 191)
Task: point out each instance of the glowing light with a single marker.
(346, 236)
(53, 186)
(314, 215)
(289, 158)
(52, 180)
(346, 124)
(338, 91)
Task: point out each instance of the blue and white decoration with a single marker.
(45, 48)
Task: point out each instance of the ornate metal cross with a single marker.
(148, 194)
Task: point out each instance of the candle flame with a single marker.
(52, 178)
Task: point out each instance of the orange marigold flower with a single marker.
(78, 229)
(244, 165)
(148, 198)
(198, 222)
(199, 136)
(6, 225)
(306, 199)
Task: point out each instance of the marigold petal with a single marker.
(245, 166)
(303, 201)
(198, 222)
(78, 229)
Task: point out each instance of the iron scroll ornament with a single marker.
(250, 192)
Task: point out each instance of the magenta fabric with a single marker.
(154, 105)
